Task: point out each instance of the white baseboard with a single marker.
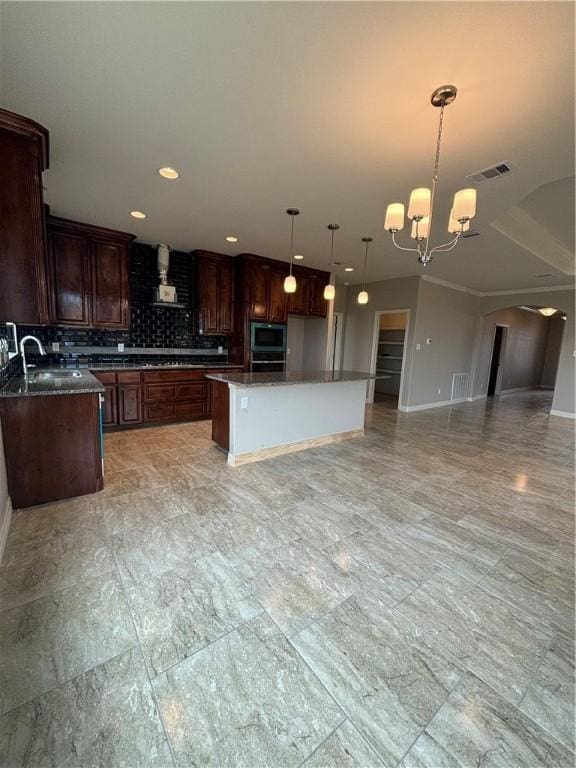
(476, 397)
(564, 414)
(5, 526)
(515, 389)
(427, 406)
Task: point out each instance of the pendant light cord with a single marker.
(332, 230)
(291, 242)
(365, 264)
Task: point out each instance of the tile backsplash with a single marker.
(157, 327)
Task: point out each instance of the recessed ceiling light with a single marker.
(348, 269)
(168, 173)
(298, 257)
(231, 239)
(138, 214)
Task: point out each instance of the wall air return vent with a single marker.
(494, 172)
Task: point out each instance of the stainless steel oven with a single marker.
(268, 337)
(267, 347)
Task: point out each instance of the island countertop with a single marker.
(288, 378)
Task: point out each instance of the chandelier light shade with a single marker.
(290, 280)
(363, 295)
(454, 226)
(394, 220)
(421, 203)
(547, 311)
(330, 289)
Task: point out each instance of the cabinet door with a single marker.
(298, 302)
(110, 294)
(259, 278)
(129, 404)
(278, 308)
(317, 304)
(70, 278)
(208, 295)
(109, 411)
(23, 284)
(225, 299)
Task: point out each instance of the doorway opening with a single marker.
(337, 338)
(388, 356)
(495, 377)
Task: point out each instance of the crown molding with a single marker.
(545, 289)
(510, 292)
(447, 284)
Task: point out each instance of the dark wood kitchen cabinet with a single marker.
(88, 275)
(309, 297)
(24, 150)
(214, 292)
(263, 289)
(52, 446)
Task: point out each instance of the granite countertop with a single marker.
(82, 382)
(155, 367)
(283, 379)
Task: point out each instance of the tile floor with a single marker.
(403, 599)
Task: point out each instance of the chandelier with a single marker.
(421, 205)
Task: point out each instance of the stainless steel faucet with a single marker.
(23, 341)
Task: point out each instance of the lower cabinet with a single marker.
(146, 397)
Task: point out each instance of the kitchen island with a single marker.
(259, 415)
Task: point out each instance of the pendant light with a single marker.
(290, 280)
(330, 289)
(363, 295)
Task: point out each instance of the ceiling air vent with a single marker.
(494, 172)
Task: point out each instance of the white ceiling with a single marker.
(320, 105)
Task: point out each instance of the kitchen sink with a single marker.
(56, 375)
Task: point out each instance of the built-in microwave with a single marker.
(268, 337)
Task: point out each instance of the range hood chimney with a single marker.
(165, 293)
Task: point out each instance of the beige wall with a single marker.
(523, 354)
(295, 343)
(556, 327)
(448, 317)
(401, 293)
(307, 340)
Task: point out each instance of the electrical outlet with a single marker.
(55, 346)
(220, 350)
(417, 347)
(439, 391)
(244, 403)
(120, 347)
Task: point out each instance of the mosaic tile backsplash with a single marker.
(155, 327)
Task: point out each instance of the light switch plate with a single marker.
(244, 403)
(417, 347)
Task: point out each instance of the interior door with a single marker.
(495, 362)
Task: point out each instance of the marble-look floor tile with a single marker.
(550, 697)
(181, 611)
(383, 563)
(322, 523)
(345, 748)
(118, 483)
(246, 701)
(461, 549)
(150, 550)
(387, 509)
(541, 586)
(106, 718)
(243, 534)
(389, 678)
(59, 563)
(297, 583)
(55, 638)
(140, 508)
(476, 727)
(496, 641)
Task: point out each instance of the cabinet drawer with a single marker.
(105, 377)
(189, 410)
(193, 391)
(167, 376)
(159, 392)
(128, 377)
(159, 412)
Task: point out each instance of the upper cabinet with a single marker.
(214, 292)
(88, 275)
(263, 289)
(309, 298)
(23, 158)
